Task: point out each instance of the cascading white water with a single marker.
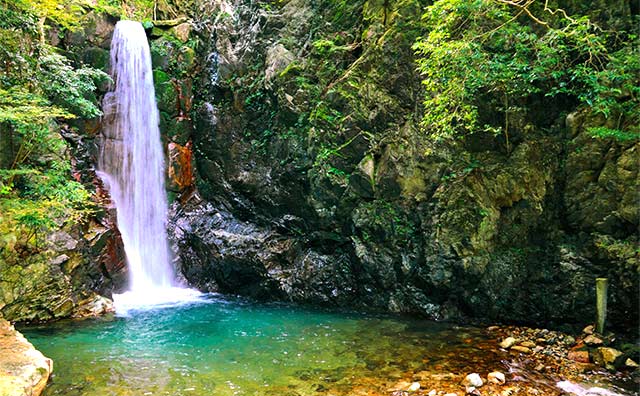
(131, 164)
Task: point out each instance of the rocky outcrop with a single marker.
(58, 281)
(318, 185)
(24, 371)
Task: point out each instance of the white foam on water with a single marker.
(155, 298)
(582, 390)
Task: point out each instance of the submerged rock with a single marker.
(24, 371)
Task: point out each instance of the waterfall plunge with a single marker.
(132, 166)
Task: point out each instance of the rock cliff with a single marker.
(315, 183)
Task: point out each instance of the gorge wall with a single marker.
(316, 184)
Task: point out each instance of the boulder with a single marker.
(183, 31)
(605, 356)
(278, 58)
(24, 371)
(579, 356)
(94, 305)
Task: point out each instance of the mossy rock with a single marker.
(166, 94)
(186, 58)
(159, 56)
(96, 57)
(175, 129)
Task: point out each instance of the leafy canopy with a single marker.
(39, 89)
(503, 54)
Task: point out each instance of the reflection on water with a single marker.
(227, 347)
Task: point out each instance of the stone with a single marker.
(588, 330)
(182, 31)
(605, 356)
(451, 394)
(528, 344)
(432, 392)
(59, 260)
(97, 58)
(631, 363)
(521, 349)
(496, 377)
(414, 387)
(508, 342)
(170, 22)
(473, 380)
(61, 241)
(93, 306)
(579, 356)
(471, 390)
(278, 58)
(24, 371)
(592, 340)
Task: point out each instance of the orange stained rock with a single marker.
(180, 166)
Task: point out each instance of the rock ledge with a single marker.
(24, 371)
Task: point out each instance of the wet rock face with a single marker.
(319, 186)
(24, 371)
(216, 252)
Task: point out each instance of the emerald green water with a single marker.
(230, 347)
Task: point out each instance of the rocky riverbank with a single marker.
(24, 371)
(539, 362)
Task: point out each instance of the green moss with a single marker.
(97, 58)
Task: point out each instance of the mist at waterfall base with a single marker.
(131, 165)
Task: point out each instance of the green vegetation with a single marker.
(487, 55)
(39, 91)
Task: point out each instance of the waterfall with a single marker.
(131, 163)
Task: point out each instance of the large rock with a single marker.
(61, 279)
(24, 371)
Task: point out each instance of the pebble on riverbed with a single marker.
(554, 352)
(496, 377)
(473, 380)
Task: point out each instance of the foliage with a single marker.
(138, 10)
(622, 136)
(504, 55)
(64, 13)
(20, 107)
(68, 87)
(39, 89)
